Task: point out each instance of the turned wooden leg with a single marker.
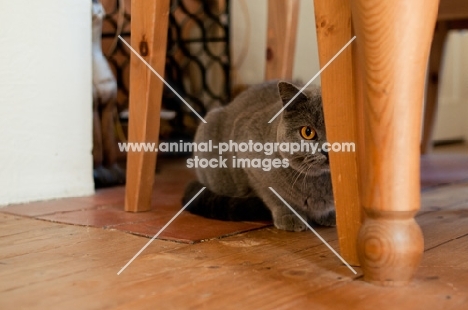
(333, 26)
(434, 72)
(108, 134)
(97, 138)
(281, 38)
(393, 39)
(149, 39)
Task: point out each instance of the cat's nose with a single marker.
(325, 153)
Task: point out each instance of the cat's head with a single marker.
(302, 122)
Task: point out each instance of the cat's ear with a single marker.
(287, 91)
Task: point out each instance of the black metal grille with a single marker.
(198, 57)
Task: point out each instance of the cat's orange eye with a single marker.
(308, 133)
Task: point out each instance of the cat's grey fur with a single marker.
(305, 184)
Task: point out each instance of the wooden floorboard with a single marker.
(47, 265)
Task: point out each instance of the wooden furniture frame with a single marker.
(372, 95)
(149, 32)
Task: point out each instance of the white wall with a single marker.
(452, 115)
(45, 100)
(464, 79)
(251, 70)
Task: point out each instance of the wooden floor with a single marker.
(46, 265)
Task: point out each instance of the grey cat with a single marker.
(301, 178)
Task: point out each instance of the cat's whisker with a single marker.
(300, 170)
(308, 161)
(304, 182)
(296, 175)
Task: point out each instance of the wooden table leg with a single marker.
(393, 38)
(333, 25)
(281, 38)
(149, 38)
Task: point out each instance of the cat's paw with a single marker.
(289, 222)
(326, 219)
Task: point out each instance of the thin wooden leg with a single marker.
(333, 25)
(108, 134)
(435, 71)
(394, 39)
(281, 41)
(97, 139)
(149, 38)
